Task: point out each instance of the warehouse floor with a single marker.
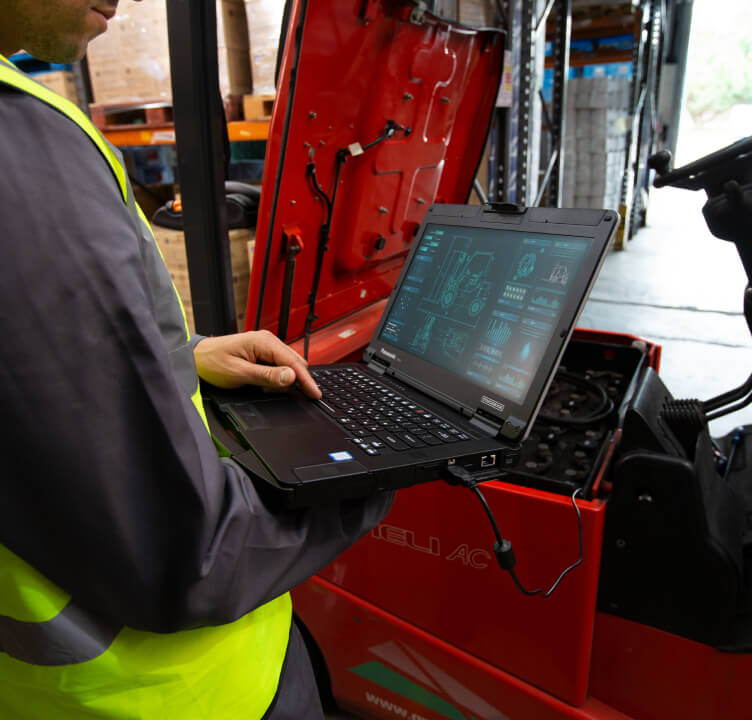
(677, 285)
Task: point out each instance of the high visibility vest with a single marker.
(57, 662)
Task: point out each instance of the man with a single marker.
(140, 575)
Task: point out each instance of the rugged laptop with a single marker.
(457, 368)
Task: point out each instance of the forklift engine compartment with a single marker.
(576, 426)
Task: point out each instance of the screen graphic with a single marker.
(484, 303)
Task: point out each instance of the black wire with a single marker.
(323, 243)
(603, 411)
(311, 173)
(325, 230)
(491, 517)
(501, 542)
(389, 130)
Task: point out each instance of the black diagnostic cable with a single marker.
(503, 547)
(340, 158)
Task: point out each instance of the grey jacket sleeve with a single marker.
(111, 484)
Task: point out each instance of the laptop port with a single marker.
(488, 460)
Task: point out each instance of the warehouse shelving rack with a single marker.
(641, 140)
(517, 172)
(515, 154)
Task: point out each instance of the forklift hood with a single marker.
(382, 109)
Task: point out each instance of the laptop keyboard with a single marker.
(377, 417)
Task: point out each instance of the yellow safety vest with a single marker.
(59, 663)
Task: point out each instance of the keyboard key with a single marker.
(411, 440)
(393, 442)
(429, 439)
(443, 435)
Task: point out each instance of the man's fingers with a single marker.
(280, 378)
(271, 349)
(269, 376)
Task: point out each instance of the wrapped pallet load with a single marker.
(131, 63)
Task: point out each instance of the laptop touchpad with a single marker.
(276, 412)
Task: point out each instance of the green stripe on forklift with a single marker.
(385, 677)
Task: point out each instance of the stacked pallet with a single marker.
(596, 141)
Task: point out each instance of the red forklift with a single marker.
(632, 588)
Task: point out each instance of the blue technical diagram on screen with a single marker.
(484, 303)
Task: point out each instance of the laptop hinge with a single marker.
(487, 424)
(378, 366)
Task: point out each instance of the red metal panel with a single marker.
(738, 704)
(383, 667)
(653, 675)
(430, 564)
(361, 65)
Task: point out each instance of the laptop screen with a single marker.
(484, 303)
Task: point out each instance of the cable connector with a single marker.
(457, 475)
(504, 554)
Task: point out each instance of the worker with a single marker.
(140, 574)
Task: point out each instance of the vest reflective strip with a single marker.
(11, 75)
(71, 637)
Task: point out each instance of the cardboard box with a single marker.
(257, 106)
(478, 13)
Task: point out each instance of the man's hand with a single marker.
(230, 361)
